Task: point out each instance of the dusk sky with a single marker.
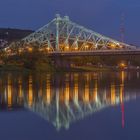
(102, 16)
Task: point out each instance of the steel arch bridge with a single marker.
(62, 35)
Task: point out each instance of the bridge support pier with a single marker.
(60, 62)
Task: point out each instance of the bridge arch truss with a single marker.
(63, 35)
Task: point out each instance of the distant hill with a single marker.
(7, 35)
(13, 34)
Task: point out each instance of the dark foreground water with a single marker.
(71, 106)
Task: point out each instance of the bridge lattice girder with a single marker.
(61, 34)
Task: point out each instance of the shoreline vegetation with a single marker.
(34, 60)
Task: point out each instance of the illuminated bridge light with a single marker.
(48, 48)
(30, 49)
(122, 65)
(20, 50)
(76, 48)
(86, 46)
(113, 46)
(67, 47)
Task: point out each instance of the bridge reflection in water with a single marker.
(63, 99)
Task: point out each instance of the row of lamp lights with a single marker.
(30, 49)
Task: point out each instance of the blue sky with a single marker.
(103, 16)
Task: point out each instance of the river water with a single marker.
(70, 106)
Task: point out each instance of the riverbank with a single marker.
(92, 68)
(61, 70)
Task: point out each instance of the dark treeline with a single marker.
(34, 60)
(39, 61)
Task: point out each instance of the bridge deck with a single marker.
(95, 53)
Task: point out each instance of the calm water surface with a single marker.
(70, 106)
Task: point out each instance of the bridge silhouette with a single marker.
(63, 37)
